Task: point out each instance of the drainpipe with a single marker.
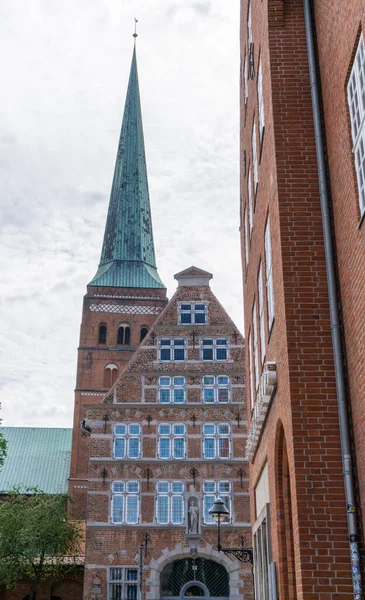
(334, 312)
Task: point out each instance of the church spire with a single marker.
(128, 255)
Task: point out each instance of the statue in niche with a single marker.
(193, 516)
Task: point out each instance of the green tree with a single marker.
(3, 446)
(37, 541)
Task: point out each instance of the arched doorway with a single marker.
(194, 578)
(68, 589)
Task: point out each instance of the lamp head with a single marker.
(219, 510)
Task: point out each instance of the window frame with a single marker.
(216, 386)
(170, 495)
(172, 387)
(262, 575)
(261, 312)
(127, 437)
(269, 276)
(123, 582)
(172, 437)
(356, 104)
(250, 368)
(254, 162)
(215, 347)
(193, 312)
(255, 346)
(214, 495)
(126, 495)
(216, 436)
(172, 346)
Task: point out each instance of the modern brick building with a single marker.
(303, 255)
(159, 425)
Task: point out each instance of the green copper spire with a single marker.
(128, 255)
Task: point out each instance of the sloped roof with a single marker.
(36, 457)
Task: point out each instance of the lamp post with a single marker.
(242, 554)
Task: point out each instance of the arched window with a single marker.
(110, 375)
(144, 332)
(124, 335)
(102, 334)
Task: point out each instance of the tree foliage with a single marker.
(37, 541)
(3, 446)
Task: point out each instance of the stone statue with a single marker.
(193, 516)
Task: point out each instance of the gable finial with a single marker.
(135, 35)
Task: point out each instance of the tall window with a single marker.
(214, 349)
(254, 160)
(171, 440)
(143, 333)
(245, 78)
(250, 203)
(102, 334)
(171, 389)
(217, 440)
(123, 583)
(193, 314)
(247, 240)
(260, 287)
(124, 335)
(110, 375)
(260, 94)
(211, 491)
(170, 502)
(127, 440)
(125, 502)
(255, 346)
(261, 558)
(172, 349)
(250, 365)
(356, 100)
(215, 388)
(269, 277)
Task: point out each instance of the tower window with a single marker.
(144, 332)
(110, 375)
(124, 335)
(102, 334)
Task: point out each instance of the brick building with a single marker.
(303, 255)
(159, 425)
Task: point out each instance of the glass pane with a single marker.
(132, 574)
(179, 380)
(208, 503)
(200, 307)
(134, 448)
(185, 317)
(221, 342)
(209, 448)
(119, 448)
(165, 342)
(199, 318)
(209, 486)
(134, 429)
(224, 486)
(132, 509)
(179, 354)
(162, 487)
(164, 429)
(165, 354)
(207, 353)
(179, 429)
(221, 354)
(165, 447)
(177, 510)
(208, 395)
(133, 486)
(118, 509)
(177, 487)
(208, 380)
(209, 429)
(222, 380)
(165, 396)
(223, 428)
(185, 307)
(207, 342)
(179, 448)
(131, 590)
(162, 509)
(178, 342)
(118, 486)
(179, 396)
(120, 429)
(223, 447)
(164, 381)
(223, 395)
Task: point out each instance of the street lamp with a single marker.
(219, 510)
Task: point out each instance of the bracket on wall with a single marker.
(149, 419)
(148, 473)
(105, 419)
(238, 419)
(241, 474)
(194, 335)
(104, 473)
(194, 419)
(194, 473)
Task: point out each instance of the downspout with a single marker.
(334, 312)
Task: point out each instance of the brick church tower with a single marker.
(126, 295)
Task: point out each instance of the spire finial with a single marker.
(135, 29)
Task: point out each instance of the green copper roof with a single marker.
(128, 255)
(36, 457)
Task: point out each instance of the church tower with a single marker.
(126, 294)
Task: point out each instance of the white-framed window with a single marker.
(247, 241)
(356, 100)
(260, 287)
(123, 583)
(211, 491)
(110, 375)
(171, 440)
(215, 389)
(125, 502)
(245, 79)
(254, 159)
(127, 440)
(172, 349)
(249, 26)
(214, 349)
(255, 345)
(170, 502)
(216, 440)
(261, 551)
(269, 275)
(260, 94)
(171, 389)
(250, 366)
(250, 202)
(195, 313)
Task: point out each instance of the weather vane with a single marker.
(135, 29)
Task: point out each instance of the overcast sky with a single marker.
(64, 75)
